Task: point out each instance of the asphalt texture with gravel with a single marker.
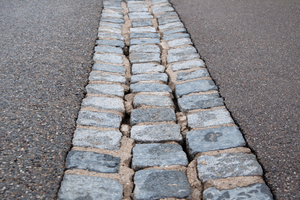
(45, 58)
(252, 51)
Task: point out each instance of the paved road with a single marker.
(45, 57)
(252, 50)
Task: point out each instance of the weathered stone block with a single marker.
(258, 191)
(167, 14)
(109, 24)
(182, 54)
(109, 140)
(172, 31)
(156, 133)
(140, 15)
(144, 49)
(109, 68)
(144, 35)
(150, 77)
(115, 43)
(113, 20)
(149, 87)
(194, 87)
(159, 184)
(139, 23)
(200, 73)
(142, 29)
(152, 100)
(109, 49)
(138, 9)
(209, 118)
(96, 76)
(201, 101)
(99, 119)
(108, 58)
(149, 155)
(214, 139)
(142, 57)
(104, 103)
(152, 115)
(176, 36)
(109, 29)
(190, 64)
(144, 41)
(171, 25)
(92, 161)
(160, 9)
(107, 89)
(88, 187)
(163, 21)
(179, 42)
(147, 68)
(105, 35)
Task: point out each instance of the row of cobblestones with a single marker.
(179, 141)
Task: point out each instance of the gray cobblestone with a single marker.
(200, 73)
(150, 77)
(209, 118)
(92, 161)
(149, 87)
(152, 100)
(104, 103)
(172, 31)
(107, 89)
(115, 43)
(102, 35)
(109, 29)
(156, 133)
(163, 21)
(112, 15)
(147, 68)
(258, 191)
(159, 184)
(139, 23)
(171, 25)
(144, 35)
(113, 20)
(182, 54)
(190, 64)
(176, 36)
(138, 9)
(99, 119)
(141, 15)
(201, 101)
(159, 9)
(214, 139)
(109, 68)
(88, 187)
(144, 41)
(167, 14)
(95, 76)
(151, 48)
(108, 58)
(227, 165)
(141, 57)
(109, 49)
(149, 155)
(109, 140)
(179, 42)
(109, 24)
(142, 30)
(194, 87)
(152, 115)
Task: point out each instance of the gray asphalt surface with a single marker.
(45, 57)
(252, 50)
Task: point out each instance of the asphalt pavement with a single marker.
(252, 51)
(45, 58)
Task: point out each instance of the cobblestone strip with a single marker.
(153, 125)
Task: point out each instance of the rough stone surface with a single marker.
(156, 133)
(182, 54)
(109, 24)
(115, 43)
(214, 139)
(158, 184)
(113, 20)
(108, 58)
(144, 41)
(139, 23)
(142, 29)
(149, 87)
(179, 42)
(109, 68)
(163, 21)
(136, 57)
(109, 15)
(171, 25)
(149, 155)
(104, 103)
(176, 36)
(109, 29)
(200, 73)
(92, 161)
(118, 36)
(200, 101)
(159, 9)
(172, 31)
(227, 165)
(88, 187)
(194, 87)
(99, 119)
(150, 77)
(97, 139)
(108, 49)
(144, 48)
(141, 15)
(96, 76)
(209, 118)
(258, 191)
(152, 115)
(147, 68)
(107, 89)
(187, 65)
(144, 35)
(152, 100)
(167, 14)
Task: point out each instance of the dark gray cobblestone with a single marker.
(188, 65)
(147, 68)
(194, 87)
(109, 68)
(107, 89)
(99, 119)
(200, 73)
(152, 115)
(150, 77)
(96, 76)
(149, 87)
(104, 103)
(152, 100)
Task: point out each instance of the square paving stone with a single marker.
(258, 191)
(141, 15)
(208, 118)
(167, 14)
(107, 89)
(138, 9)
(104, 103)
(179, 42)
(139, 23)
(108, 58)
(109, 68)
(182, 54)
(190, 64)
(152, 115)
(176, 36)
(212, 139)
(115, 43)
(160, 9)
(106, 35)
(144, 35)
(200, 73)
(172, 31)
(152, 100)
(111, 15)
(227, 165)
(149, 87)
(142, 29)
(163, 21)
(109, 140)
(144, 41)
(98, 76)
(142, 57)
(113, 20)
(147, 68)
(200, 101)
(156, 133)
(109, 24)
(88, 187)
(194, 87)
(150, 77)
(99, 119)
(109, 49)
(109, 29)
(92, 161)
(151, 48)
(156, 154)
(159, 184)
(171, 25)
